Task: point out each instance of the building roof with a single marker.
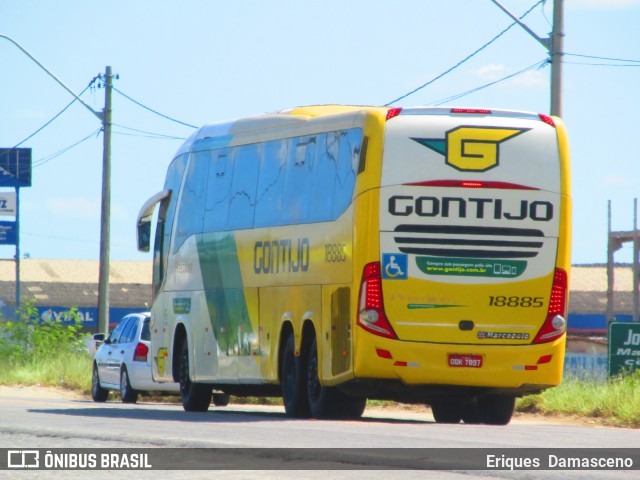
(75, 283)
(75, 271)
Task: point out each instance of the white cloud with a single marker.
(490, 72)
(617, 180)
(78, 207)
(532, 79)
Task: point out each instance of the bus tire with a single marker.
(328, 402)
(196, 397)
(293, 378)
(350, 407)
(221, 399)
(496, 409)
(447, 411)
(98, 394)
(127, 393)
(471, 413)
(320, 397)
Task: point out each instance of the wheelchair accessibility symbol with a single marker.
(394, 266)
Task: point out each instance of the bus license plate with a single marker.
(469, 361)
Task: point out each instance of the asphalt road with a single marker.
(42, 418)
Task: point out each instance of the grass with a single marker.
(52, 354)
(612, 402)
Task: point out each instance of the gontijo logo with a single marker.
(469, 148)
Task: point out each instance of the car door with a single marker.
(124, 352)
(110, 370)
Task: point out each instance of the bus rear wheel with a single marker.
(293, 378)
(496, 409)
(447, 411)
(196, 397)
(329, 402)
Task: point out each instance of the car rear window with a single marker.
(146, 334)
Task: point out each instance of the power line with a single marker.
(602, 58)
(402, 97)
(51, 120)
(534, 66)
(44, 160)
(147, 134)
(152, 110)
(604, 64)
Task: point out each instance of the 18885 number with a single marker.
(525, 302)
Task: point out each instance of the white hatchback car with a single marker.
(123, 361)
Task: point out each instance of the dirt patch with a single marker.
(40, 391)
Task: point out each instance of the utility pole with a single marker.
(105, 214)
(105, 118)
(557, 54)
(554, 45)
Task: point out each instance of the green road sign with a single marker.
(624, 347)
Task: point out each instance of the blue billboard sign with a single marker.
(8, 233)
(15, 167)
(88, 316)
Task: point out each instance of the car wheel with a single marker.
(98, 394)
(127, 393)
(196, 397)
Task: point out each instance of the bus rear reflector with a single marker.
(547, 119)
(480, 111)
(393, 112)
(371, 315)
(471, 184)
(555, 325)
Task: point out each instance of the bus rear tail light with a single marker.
(393, 112)
(555, 325)
(371, 315)
(476, 111)
(547, 119)
(140, 353)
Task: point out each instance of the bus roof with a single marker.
(220, 134)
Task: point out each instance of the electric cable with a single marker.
(402, 97)
(147, 134)
(602, 58)
(534, 66)
(48, 158)
(152, 110)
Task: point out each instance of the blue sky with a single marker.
(202, 61)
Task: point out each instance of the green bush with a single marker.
(44, 352)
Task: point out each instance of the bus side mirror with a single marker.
(145, 216)
(144, 236)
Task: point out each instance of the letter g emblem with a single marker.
(475, 148)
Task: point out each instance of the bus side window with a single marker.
(271, 182)
(216, 212)
(191, 209)
(243, 187)
(159, 256)
(324, 180)
(302, 152)
(165, 220)
(350, 143)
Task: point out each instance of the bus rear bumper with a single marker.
(513, 369)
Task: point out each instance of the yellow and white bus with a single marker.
(331, 254)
